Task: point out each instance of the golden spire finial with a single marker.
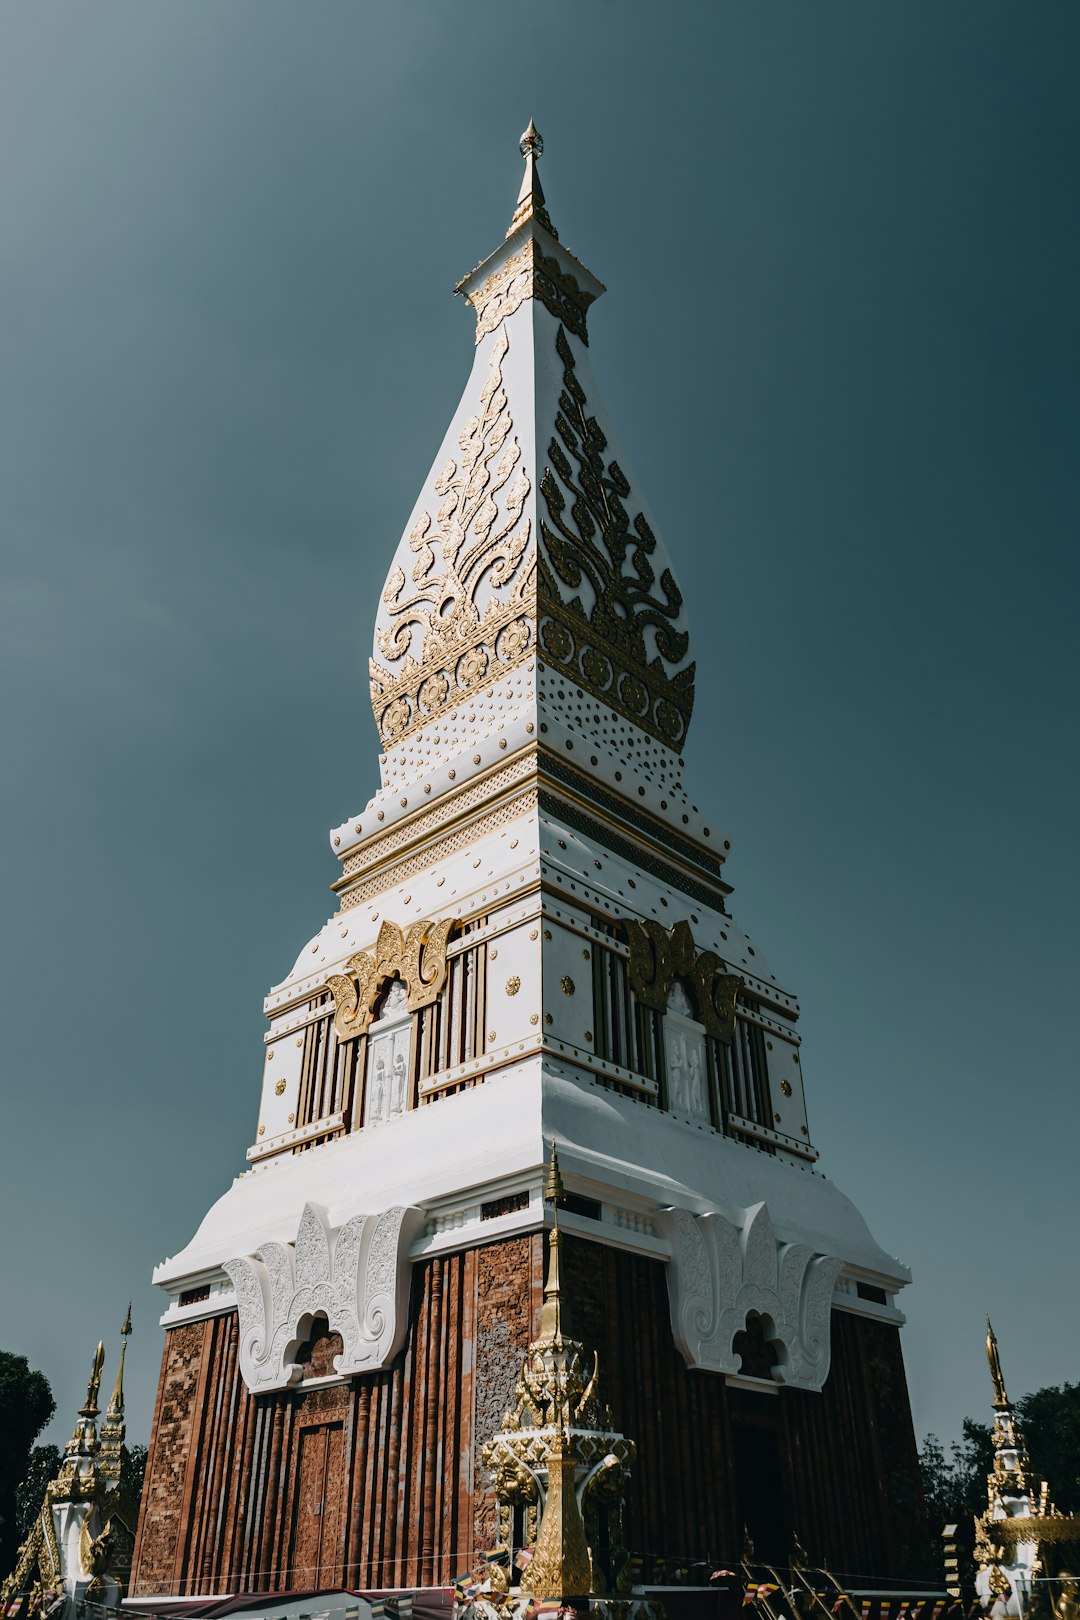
(1001, 1399)
(90, 1410)
(551, 1323)
(116, 1405)
(554, 1192)
(530, 203)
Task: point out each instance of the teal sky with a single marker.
(841, 347)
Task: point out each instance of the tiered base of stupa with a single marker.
(377, 1482)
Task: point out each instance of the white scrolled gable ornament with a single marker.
(719, 1273)
(357, 1277)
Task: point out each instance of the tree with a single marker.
(42, 1467)
(26, 1405)
(1050, 1419)
(132, 1474)
(954, 1486)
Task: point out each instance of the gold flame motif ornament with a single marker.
(659, 956)
(417, 956)
(480, 532)
(589, 538)
(532, 273)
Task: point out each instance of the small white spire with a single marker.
(530, 203)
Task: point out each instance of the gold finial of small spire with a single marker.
(117, 1403)
(554, 1191)
(530, 203)
(1001, 1399)
(551, 1322)
(90, 1410)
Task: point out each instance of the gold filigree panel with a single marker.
(378, 847)
(469, 611)
(424, 860)
(589, 539)
(1040, 1527)
(659, 956)
(532, 273)
(478, 539)
(417, 956)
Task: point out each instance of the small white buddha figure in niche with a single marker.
(684, 1046)
(378, 1090)
(388, 1056)
(397, 1099)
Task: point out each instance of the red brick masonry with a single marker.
(378, 1482)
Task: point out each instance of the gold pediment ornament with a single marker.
(589, 538)
(469, 540)
(659, 956)
(416, 955)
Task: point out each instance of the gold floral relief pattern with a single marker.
(589, 539)
(417, 956)
(659, 956)
(440, 641)
(531, 274)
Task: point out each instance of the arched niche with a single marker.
(685, 1058)
(759, 1350)
(388, 1059)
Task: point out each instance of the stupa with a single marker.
(79, 1546)
(1023, 1546)
(532, 939)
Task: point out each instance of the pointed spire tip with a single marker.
(554, 1190)
(531, 141)
(91, 1407)
(993, 1357)
(530, 203)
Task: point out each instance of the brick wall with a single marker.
(379, 1482)
(372, 1483)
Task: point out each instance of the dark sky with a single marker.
(840, 344)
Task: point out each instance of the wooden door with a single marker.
(318, 1510)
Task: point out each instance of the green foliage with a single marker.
(26, 1405)
(30, 1493)
(1050, 1419)
(132, 1474)
(44, 1465)
(954, 1486)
